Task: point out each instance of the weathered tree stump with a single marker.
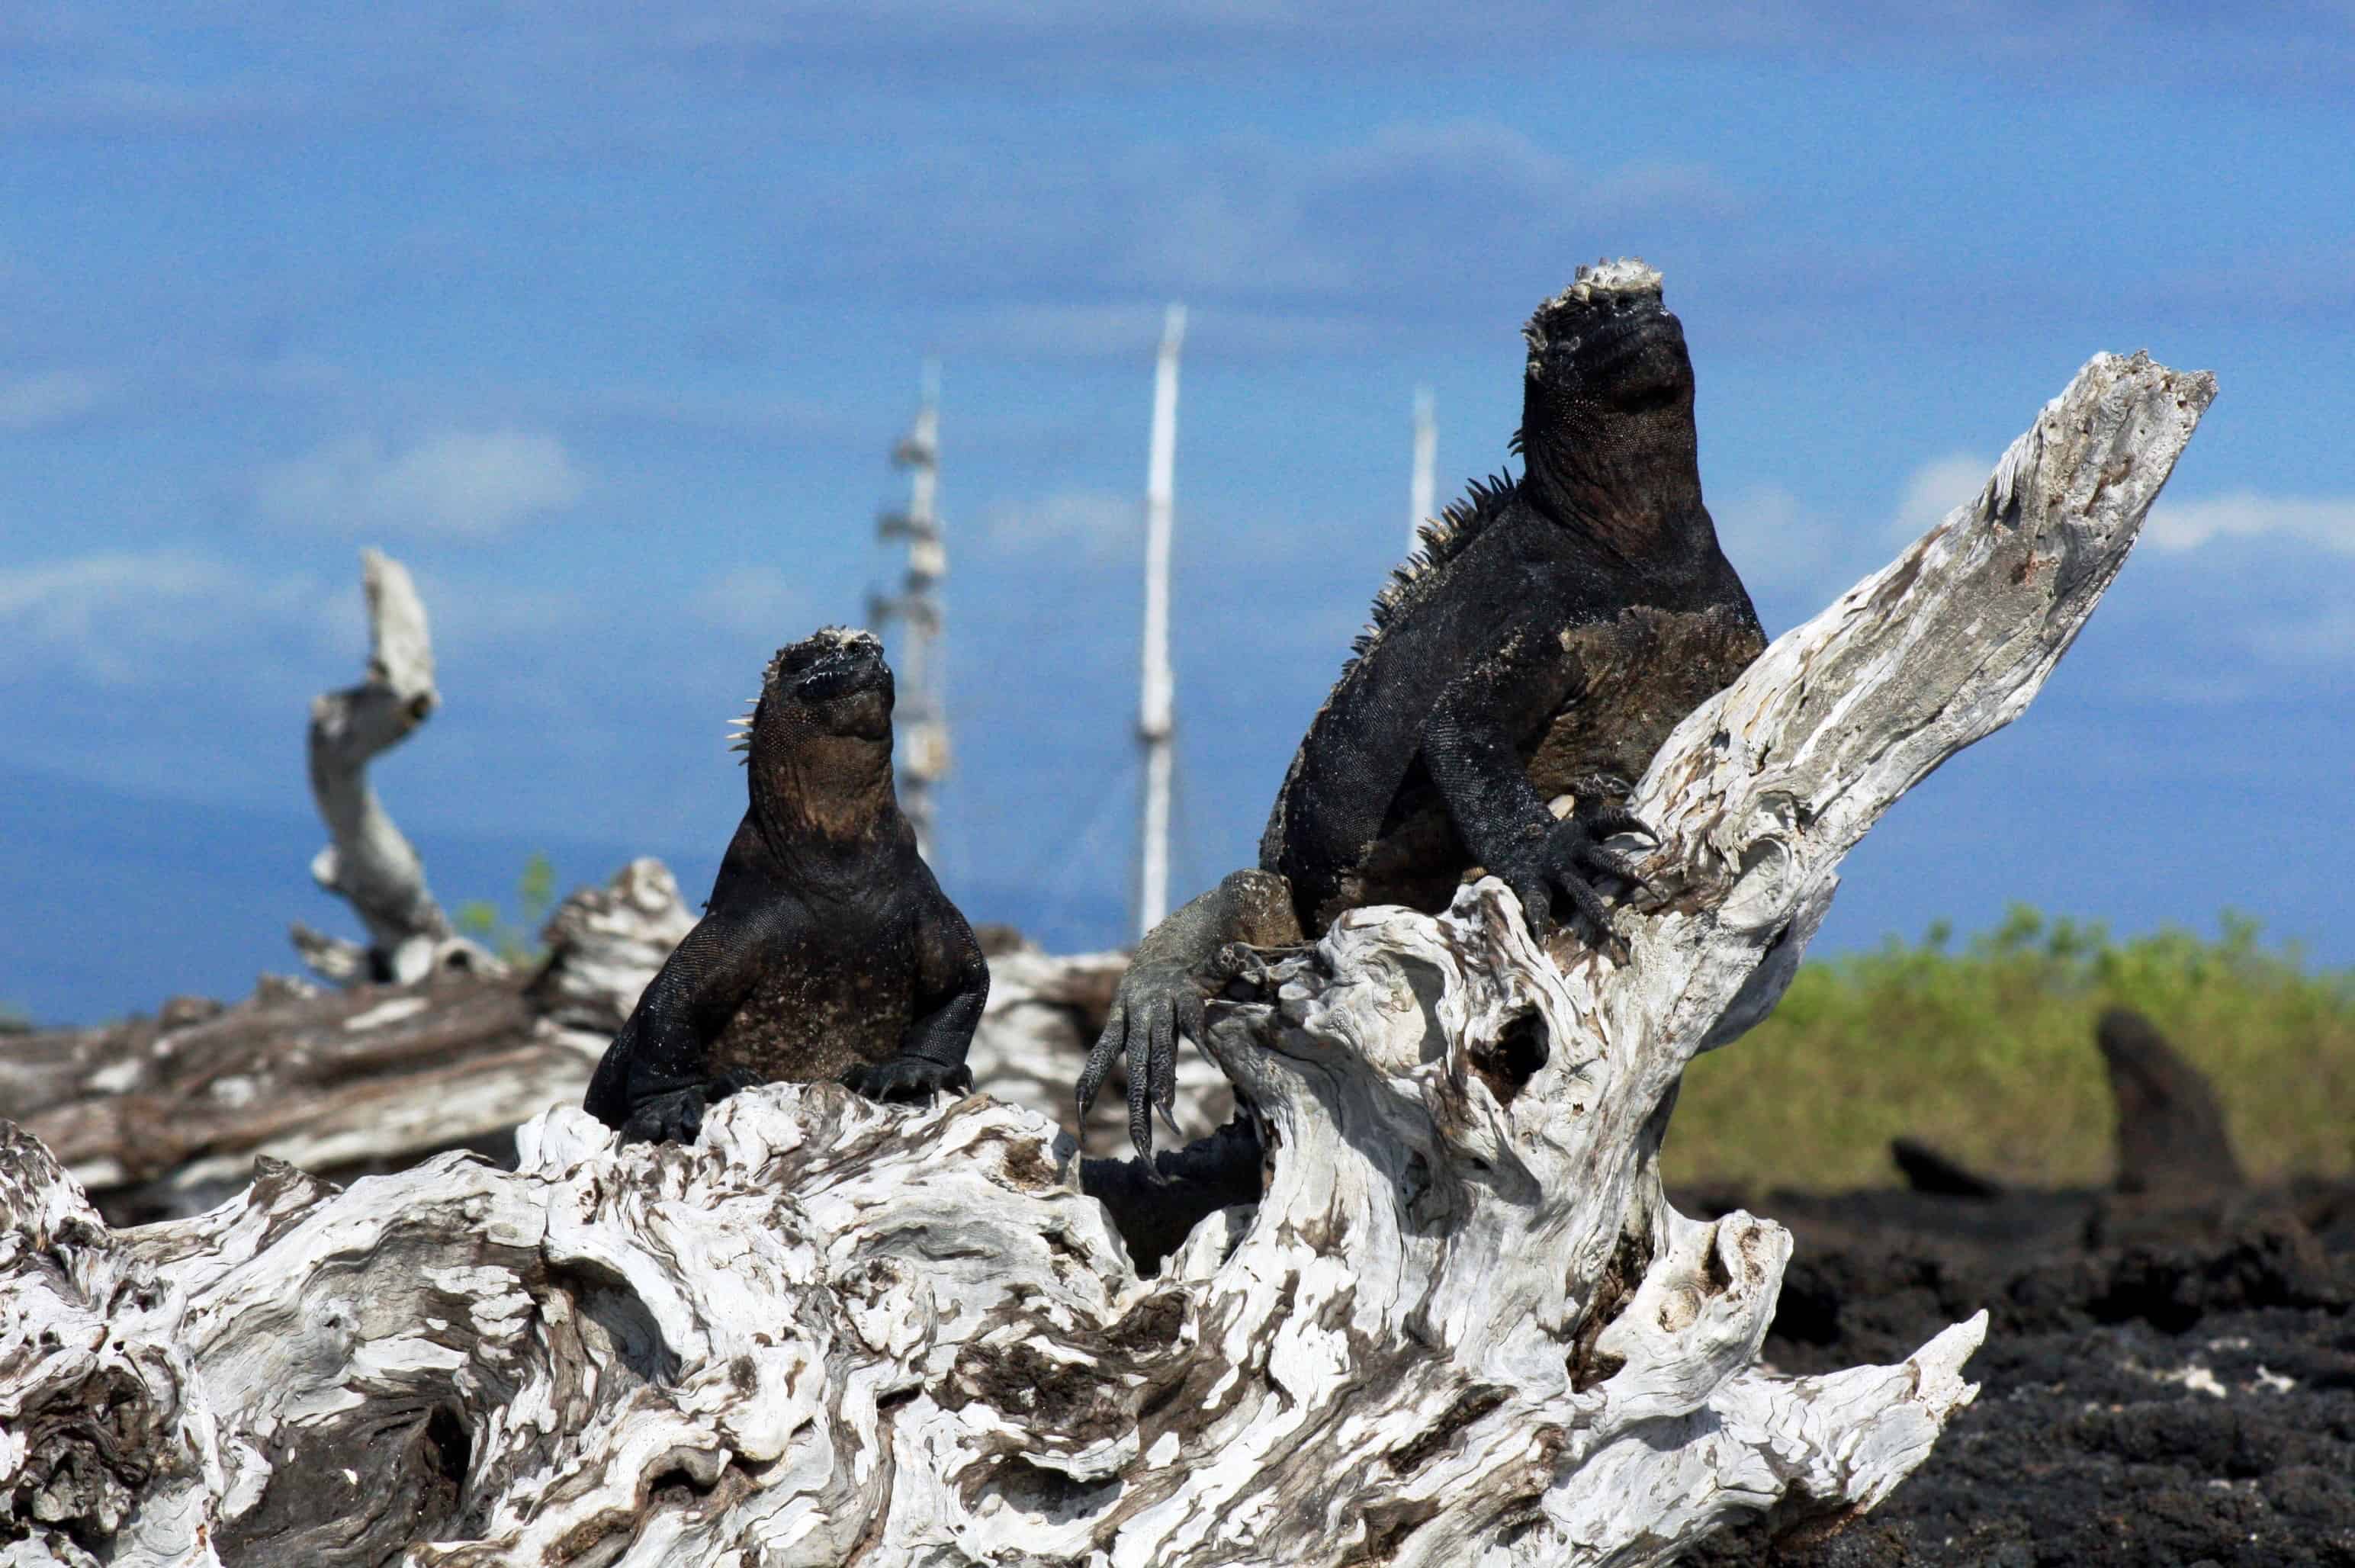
(1462, 1325)
(368, 862)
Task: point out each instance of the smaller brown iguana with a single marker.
(827, 949)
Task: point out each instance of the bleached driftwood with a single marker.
(1461, 1326)
(161, 1116)
(368, 863)
(158, 1117)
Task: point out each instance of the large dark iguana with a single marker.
(827, 949)
(1549, 633)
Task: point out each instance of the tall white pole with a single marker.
(1426, 459)
(923, 712)
(1153, 718)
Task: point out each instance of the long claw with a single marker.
(1100, 1060)
(1607, 820)
(1537, 908)
(1588, 902)
(1616, 864)
(1140, 1086)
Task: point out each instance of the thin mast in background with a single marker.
(1153, 708)
(1426, 462)
(922, 714)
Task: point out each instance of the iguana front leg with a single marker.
(1160, 996)
(1499, 815)
(655, 1081)
(951, 989)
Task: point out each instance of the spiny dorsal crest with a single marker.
(1443, 539)
(1628, 275)
(739, 732)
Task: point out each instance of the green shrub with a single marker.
(1988, 1055)
(535, 897)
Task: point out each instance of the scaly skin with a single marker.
(827, 949)
(1553, 632)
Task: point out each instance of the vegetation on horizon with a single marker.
(1987, 1054)
(518, 943)
(1983, 1051)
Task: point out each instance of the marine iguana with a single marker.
(1542, 643)
(827, 949)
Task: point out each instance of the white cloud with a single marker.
(755, 602)
(2328, 521)
(1351, 234)
(121, 619)
(456, 482)
(1092, 524)
(1781, 548)
(1936, 488)
(32, 403)
(2324, 635)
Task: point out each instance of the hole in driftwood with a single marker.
(611, 1311)
(450, 1448)
(1050, 1495)
(1508, 1066)
(1629, 1260)
(678, 1486)
(1716, 1277)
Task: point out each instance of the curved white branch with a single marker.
(368, 863)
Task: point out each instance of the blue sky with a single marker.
(603, 318)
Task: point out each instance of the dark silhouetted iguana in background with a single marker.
(827, 949)
(1543, 642)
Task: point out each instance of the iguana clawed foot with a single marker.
(1155, 1006)
(1565, 859)
(676, 1117)
(1242, 960)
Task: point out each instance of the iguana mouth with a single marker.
(1630, 317)
(832, 659)
(852, 664)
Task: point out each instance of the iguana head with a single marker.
(1607, 396)
(1606, 343)
(817, 741)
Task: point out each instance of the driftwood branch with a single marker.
(1462, 1325)
(367, 862)
(159, 1117)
